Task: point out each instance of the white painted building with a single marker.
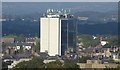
(103, 43)
(51, 32)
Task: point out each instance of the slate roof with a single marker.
(43, 55)
(18, 44)
(24, 55)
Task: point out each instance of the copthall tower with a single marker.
(57, 32)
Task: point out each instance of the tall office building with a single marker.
(57, 32)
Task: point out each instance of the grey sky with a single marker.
(60, 0)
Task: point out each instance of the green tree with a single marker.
(17, 37)
(37, 47)
(4, 65)
(54, 64)
(34, 63)
(113, 40)
(107, 68)
(70, 64)
(20, 38)
(10, 36)
(84, 59)
(88, 40)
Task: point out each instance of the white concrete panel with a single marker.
(50, 35)
(60, 38)
(54, 36)
(44, 34)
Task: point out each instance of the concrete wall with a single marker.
(47, 61)
(44, 32)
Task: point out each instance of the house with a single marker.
(13, 48)
(32, 40)
(8, 40)
(107, 50)
(115, 49)
(25, 46)
(43, 55)
(115, 56)
(93, 61)
(9, 48)
(22, 55)
(96, 64)
(103, 41)
(88, 52)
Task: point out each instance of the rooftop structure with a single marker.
(57, 32)
(51, 13)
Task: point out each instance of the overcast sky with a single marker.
(60, 0)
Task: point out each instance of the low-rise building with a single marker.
(96, 64)
(12, 48)
(32, 40)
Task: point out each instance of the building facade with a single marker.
(57, 32)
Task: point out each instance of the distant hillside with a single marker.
(22, 8)
(96, 16)
(21, 27)
(108, 28)
(32, 28)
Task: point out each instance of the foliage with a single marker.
(37, 46)
(84, 59)
(113, 40)
(88, 40)
(21, 50)
(19, 38)
(118, 68)
(37, 63)
(4, 65)
(9, 36)
(111, 61)
(54, 64)
(34, 63)
(3, 47)
(70, 64)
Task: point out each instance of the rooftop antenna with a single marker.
(48, 10)
(59, 11)
(62, 10)
(52, 10)
(65, 11)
